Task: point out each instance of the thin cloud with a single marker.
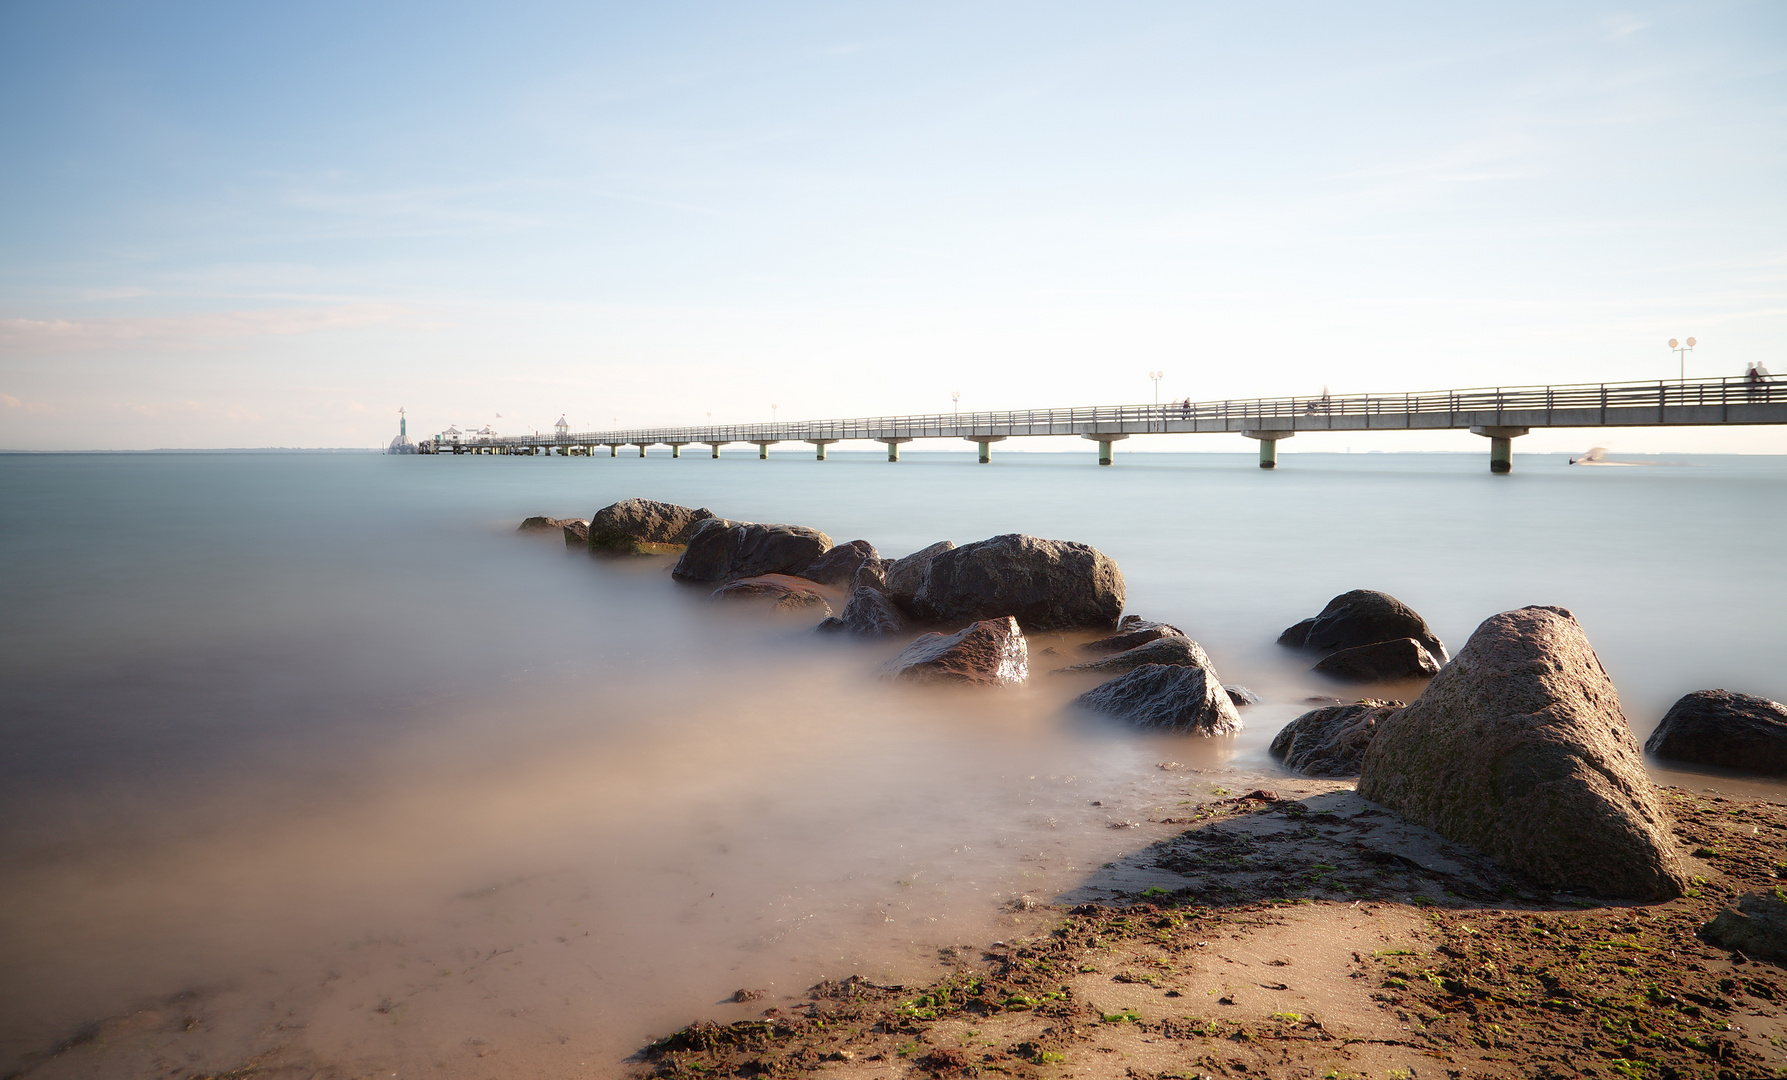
(80, 335)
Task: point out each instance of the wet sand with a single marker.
(1305, 933)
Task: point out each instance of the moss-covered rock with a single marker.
(1519, 749)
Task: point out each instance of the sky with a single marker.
(233, 225)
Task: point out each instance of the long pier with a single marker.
(1500, 414)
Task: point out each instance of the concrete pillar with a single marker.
(614, 449)
(641, 449)
(676, 449)
(762, 451)
(1268, 445)
(716, 448)
(1105, 441)
(1501, 445)
(893, 447)
(821, 444)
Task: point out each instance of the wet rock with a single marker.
(991, 652)
(871, 574)
(1362, 617)
(1044, 584)
(1241, 695)
(1755, 926)
(1133, 630)
(644, 527)
(870, 613)
(1718, 727)
(1185, 698)
(1297, 636)
(769, 587)
(576, 533)
(904, 576)
(1180, 651)
(1518, 748)
(838, 566)
(722, 550)
(541, 524)
(1403, 658)
(1331, 741)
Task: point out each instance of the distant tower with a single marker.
(401, 444)
(561, 428)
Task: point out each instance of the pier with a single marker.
(1499, 414)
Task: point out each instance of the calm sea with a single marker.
(316, 749)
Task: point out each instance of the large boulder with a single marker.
(722, 550)
(869, 613)
(577, 533)
(991, 652)
(1519, 749)
(1179, 651)
(1755, 926)
(1362, 617)
(1044, 584)
(1403, 658)
(1331, 741)
(541, 524)
(1185, 698)
(1132, 630)
(904, 576)
(838, 566)
(644, 527)
(1718, 727)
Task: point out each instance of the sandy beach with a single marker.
(1304, 933)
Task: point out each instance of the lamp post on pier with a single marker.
(1157, 376)
(955, 400)
(1681, 350)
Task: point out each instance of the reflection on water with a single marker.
(323, 742)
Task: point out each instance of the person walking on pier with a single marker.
(1185, 409)
(1757, 378)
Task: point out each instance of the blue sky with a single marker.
(240, 225)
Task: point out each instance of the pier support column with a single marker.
(893, 447)
(1501, 445)
(821, 444)
(1105, 440)
(1268, 445)
(641, 449)
(716, 447)
(614, 450)
(763, 446)
(676, 449)
(985, 443)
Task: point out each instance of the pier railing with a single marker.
(1441, 408)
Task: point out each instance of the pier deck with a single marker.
(1497, 413)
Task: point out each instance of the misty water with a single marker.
(317, 749)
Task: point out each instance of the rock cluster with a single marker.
(1718, 727)
(1518, 748)
(1368, 635)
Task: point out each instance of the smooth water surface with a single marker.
(320, 741)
